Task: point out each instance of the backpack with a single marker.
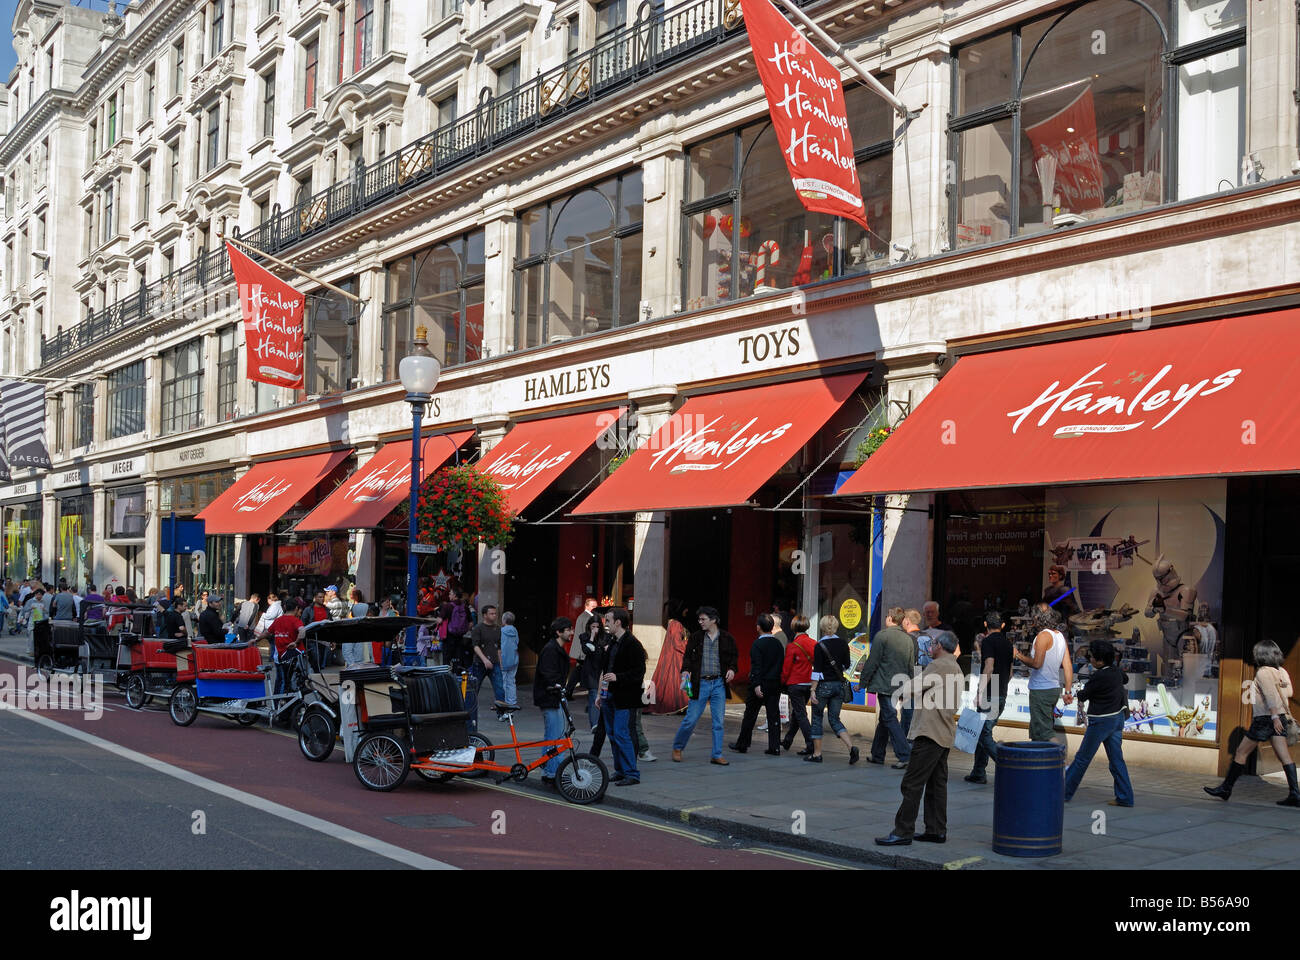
(459, 622)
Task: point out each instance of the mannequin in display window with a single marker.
(1171, 605)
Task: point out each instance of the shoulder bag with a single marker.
(846, 688)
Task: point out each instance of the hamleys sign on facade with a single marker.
(1116, 402)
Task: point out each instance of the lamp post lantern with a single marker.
(419, 372)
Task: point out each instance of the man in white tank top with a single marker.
(1051, 656)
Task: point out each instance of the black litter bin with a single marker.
(1029, 799)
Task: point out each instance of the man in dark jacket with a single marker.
(893, 654)
(173, 621)
(211, 629)
(548, 681)
(708, 665)
(622, 674)
(765, 660)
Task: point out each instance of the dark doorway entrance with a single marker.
(699, 564)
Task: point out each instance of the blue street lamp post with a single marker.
(419, 372)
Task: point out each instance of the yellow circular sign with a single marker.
(850, 613)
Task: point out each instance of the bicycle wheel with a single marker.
(582, 778)
(183, 705)
(247, 719)
(316, 735)
(433, 776)
(481, 744)
(135, 692)
(382, 762)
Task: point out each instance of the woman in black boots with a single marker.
(1269, 698)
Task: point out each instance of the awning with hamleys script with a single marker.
(1194, 400)
(267, 492)
(532, 455)
(719, 448)
(381, 483)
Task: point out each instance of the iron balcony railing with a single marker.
(656, 40)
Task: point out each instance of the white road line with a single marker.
(368, 843)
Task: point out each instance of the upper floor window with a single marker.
(342, 14)
(440, 288)
(214, 136)
(507, 77)
(126, 395)
(363, 34)
(112, 119)
(747, 232)
(218, 28)
(1101, 110)
(182, 387)
(146, 190)
(174, 170)
(83, 415)
(227, 372)
(331, 341)
(610, 16)
(311, 60)
(450, 7)
(578, 263)
(268, 103)
(56, 413)
(149, 89)
(178, 67)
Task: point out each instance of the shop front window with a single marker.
(126, 513)
(578, 263)
(1138, 565)
(1069, 118)
(75, 538)
(746, 231)
(182, 387)
(22, 540)
(441, 289)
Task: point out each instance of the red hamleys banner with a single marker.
(806, 100)
(272, 312)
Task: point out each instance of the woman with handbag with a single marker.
(829, 691)
(796, 676)
(1269, 698)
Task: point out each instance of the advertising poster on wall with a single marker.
(1143, 565)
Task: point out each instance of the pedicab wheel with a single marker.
(582, 778)
(135, 692)
(247, 719)
(183, 705)
(484, 754)
(382, 762)
(434, 776)
(316, 736)
(45, 666)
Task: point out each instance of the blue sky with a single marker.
(7, 57)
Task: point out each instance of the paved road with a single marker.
(122, 790)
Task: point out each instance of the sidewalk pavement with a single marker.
(840, 809)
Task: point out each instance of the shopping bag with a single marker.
(969, 727)
(785, 708)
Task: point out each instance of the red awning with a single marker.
(267, 492)
(379, 485)
(533, 455)
(718, 449)
(1194, 400)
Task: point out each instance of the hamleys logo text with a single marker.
(380, 482)
(262, 494)
(696, 446)
(1078, 398)
(519, 474)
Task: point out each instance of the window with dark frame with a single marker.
(442, 289)
(578, 263)
(146, 189)
(363, 34)
(1106, 108)
(126, 396)
(744, 229)
(311, 54)
(218, 28)
(214, 137)
(112, 119)
(60, 433)
(330, 345)
(178, 67)
(174, 176)
(182, 387)
(149, 87)
(341, 12)
(268, 103)
(227, 372)
(83, 415)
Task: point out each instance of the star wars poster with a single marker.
(1142, 564)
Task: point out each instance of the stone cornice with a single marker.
(31, 122)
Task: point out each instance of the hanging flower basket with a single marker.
(460, 507)
(873, 442)
(616, 463)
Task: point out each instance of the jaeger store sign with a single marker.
(76, 477)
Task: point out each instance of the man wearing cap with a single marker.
(334, 603)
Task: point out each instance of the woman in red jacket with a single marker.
(796, 675)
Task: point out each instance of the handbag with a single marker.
(846, 688)
(969, 727)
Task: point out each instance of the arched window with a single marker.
(746, 230)
(578, 268)
(1106, 108)
(441, 289)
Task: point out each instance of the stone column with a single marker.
(98, 534)
(211, 347)
(491, 574)
(1271, 121)
(909, 534)
(242, 545)
(49, 537)
(499, 277)
(920, 208)
(366, 578)
(663, 176)
(650, 551)
(370, 328)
